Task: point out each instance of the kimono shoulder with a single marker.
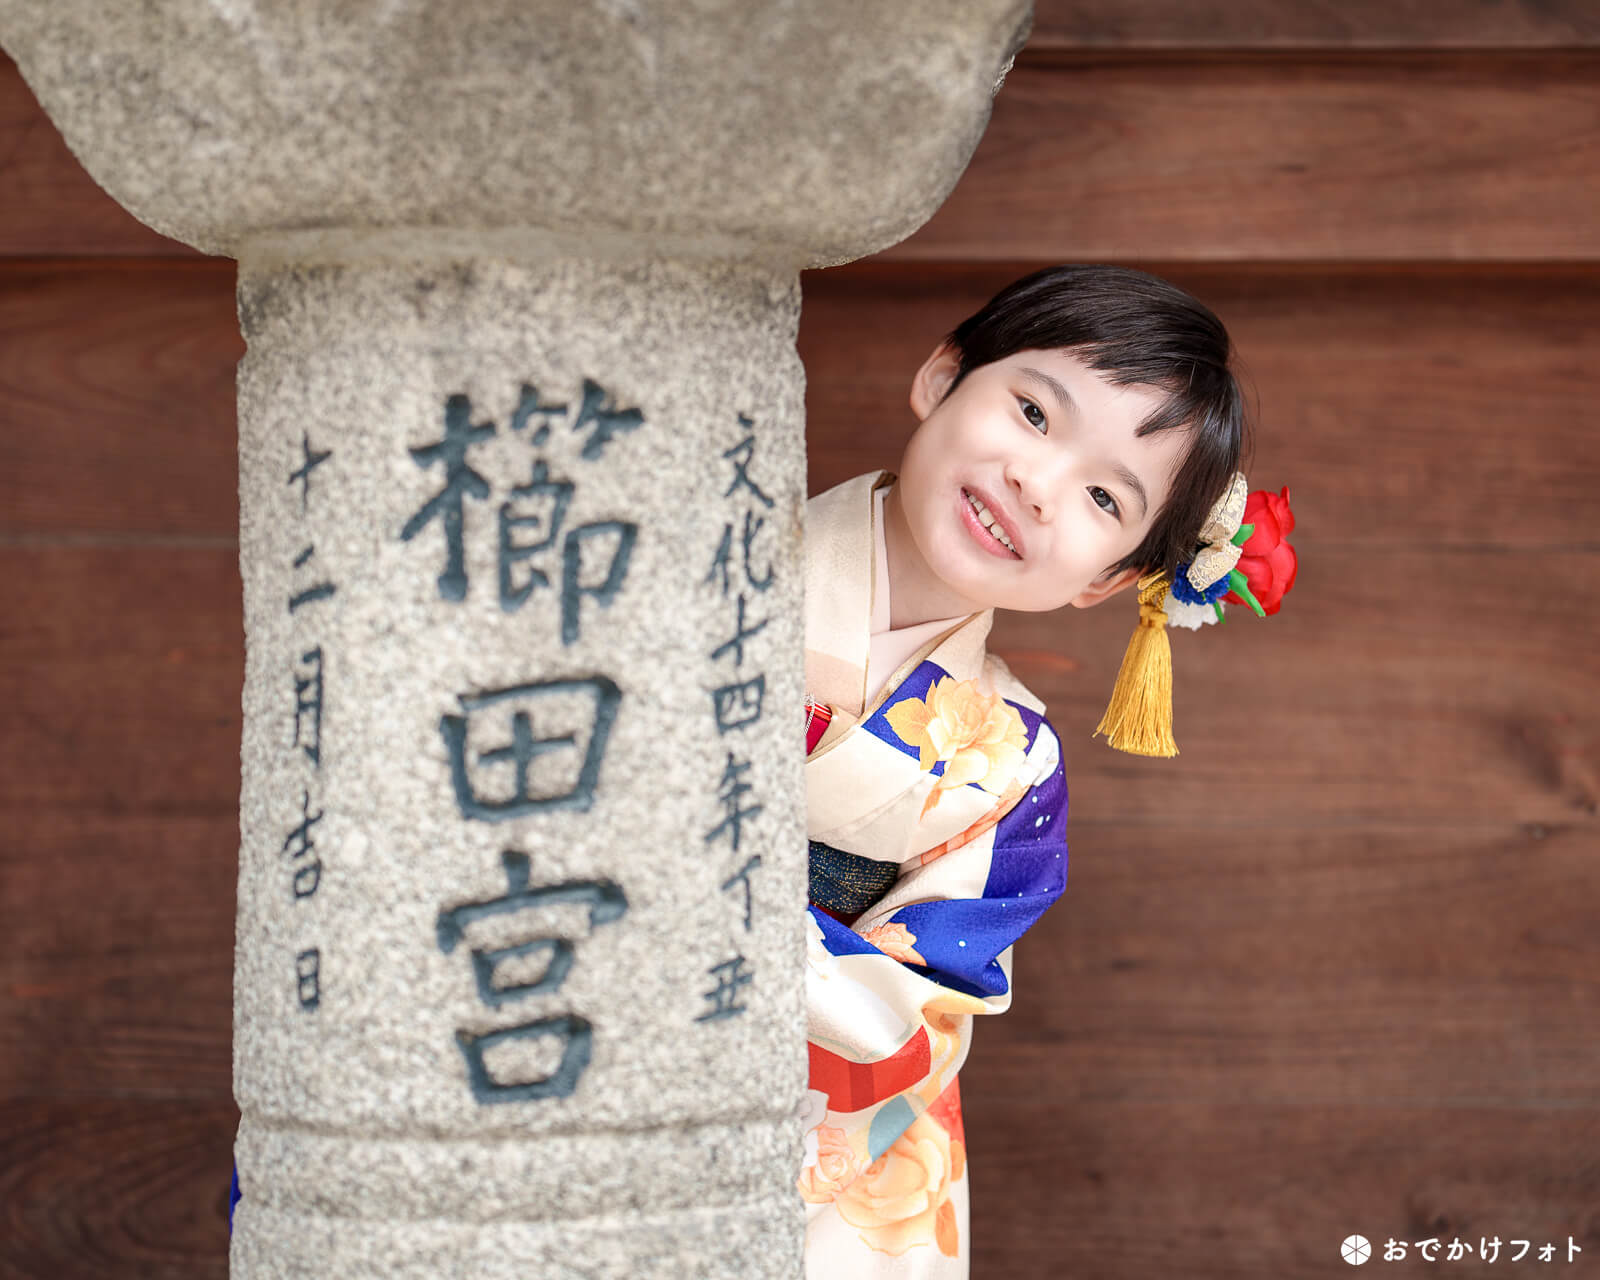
(1008, 686)
(934, 757)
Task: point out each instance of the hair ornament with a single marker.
(1239, 560)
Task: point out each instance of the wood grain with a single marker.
(106, 1189)
(1261, 1191)
(122, 671)
(1366, 699)
(1406, 158)
(117, 409)
(1107, 156)
(122, 687)
(1366, 25)
(1420, 407)
(1381, 965)
(116, 980)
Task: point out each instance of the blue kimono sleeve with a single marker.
(961, 939)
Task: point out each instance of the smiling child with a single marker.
(1077, 432)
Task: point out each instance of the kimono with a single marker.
(936, 814)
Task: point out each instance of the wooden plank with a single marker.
(1362, 965)
(1256, 1191)
(1410, 691)
(1405, 158)
(1390, 963)
(1404, 408)
(1314, 24)
(117, 398)
(1100, 1190)
(110, 1188)
(120, 667)
(121, 673)
(116, 979)
(1457, 157)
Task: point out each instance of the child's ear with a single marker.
(1103, 588)
(933, 379)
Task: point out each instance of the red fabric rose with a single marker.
(1267, 560)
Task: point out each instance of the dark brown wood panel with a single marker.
(117, 405)
(104, 1189)
(1425, 158)
(1259, 1190)
(121, 677)
(116, 980)
(1372, 964)
(122, 669)
(1454, 157)
(1416, 407)
(1096, 1189)
(1367, 25)
(1407, 691)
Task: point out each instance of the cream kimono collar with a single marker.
(865, 793)
(840, 563)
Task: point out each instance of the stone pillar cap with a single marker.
(816, 132)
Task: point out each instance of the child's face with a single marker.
(1048, 471)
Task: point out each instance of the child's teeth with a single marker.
(986, 517)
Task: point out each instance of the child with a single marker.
(1074, 433)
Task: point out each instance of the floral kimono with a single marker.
(936, 811)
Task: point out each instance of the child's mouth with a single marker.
(989, 540)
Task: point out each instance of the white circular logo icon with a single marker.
(1356, 1250)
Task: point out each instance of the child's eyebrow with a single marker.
(1057, 389)
(1068, 405)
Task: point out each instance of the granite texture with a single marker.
(362, 1105)
(811, 133)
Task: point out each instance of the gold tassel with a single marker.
(1139, 719)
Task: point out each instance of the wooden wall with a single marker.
(1334, 969)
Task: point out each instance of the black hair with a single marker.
(1140, 329)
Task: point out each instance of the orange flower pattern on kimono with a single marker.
(832, 1168)
(895, 940)
(977, 736)
(903, 1197)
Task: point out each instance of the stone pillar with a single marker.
(522, 479)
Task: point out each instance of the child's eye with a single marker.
(1113, 509)
(1029, 404)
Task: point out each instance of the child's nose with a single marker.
(1033, 485)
